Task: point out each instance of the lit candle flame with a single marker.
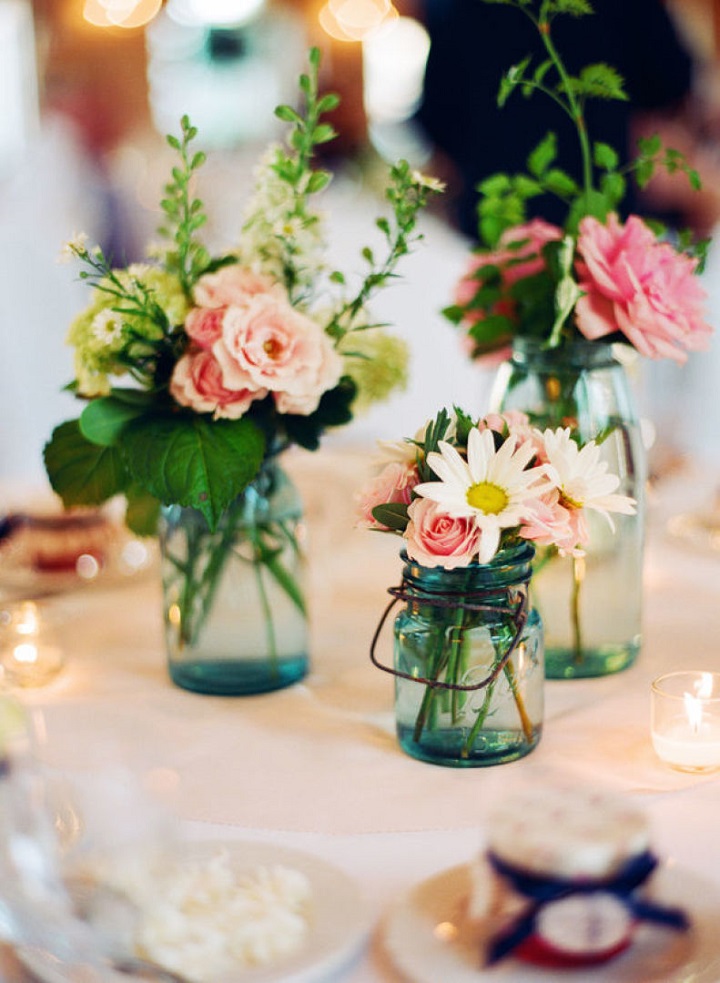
(693, 709)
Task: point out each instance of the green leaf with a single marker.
(543, 155)
(393, 515)
(541, 71)
(601, 81)
(318, 181)
(103, 420)
(453, 313)
(577, 8)
(270, 559)
(330, 101)
(512, 78)
(142, 512)
(560, 183)
(81, 472)
(496, 184)
(323, 133)
(605, 156)
(334, 410)
(613, 186)
(649, 146)
(194, 460)
(288, 114)
(644, 171)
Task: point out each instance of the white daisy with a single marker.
(581, 477)
(107, 327)
(491, 486)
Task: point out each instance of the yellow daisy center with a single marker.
(487, 497)
(568, 502)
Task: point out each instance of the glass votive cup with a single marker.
(685, 720)
(29, 653)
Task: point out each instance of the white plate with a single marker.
(419, 934)
(340, 925)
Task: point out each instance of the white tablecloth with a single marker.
(317, 766)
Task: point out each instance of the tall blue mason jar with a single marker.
(591, 606)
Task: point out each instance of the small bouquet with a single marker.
(595, 277)
(462, 490)
(197, 370)
(229, 357)
(470, 500)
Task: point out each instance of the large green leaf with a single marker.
(103, 420)
(143, 509)
(193, 460)
(81, 472)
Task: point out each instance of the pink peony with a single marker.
(394, 484)
(232, 286)
(435, 539)
(642, 287)
(278, 347)
(197, 382)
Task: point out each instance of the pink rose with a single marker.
(515, 264)
(435, 539)
(394, 484)
(527, 260)
(327, 377)
(514, 420)
(278, 349)
(232, 286)
(197, 382)
(642, 287)
(204, 325)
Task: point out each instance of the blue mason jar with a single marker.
(468, 662)
(234, 598)
(591, 606)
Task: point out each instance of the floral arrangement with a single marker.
(228, 358)
(460, 493)
(596, 277)
(461, 490)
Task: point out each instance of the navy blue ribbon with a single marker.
(543, 890)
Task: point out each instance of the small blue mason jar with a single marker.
(468, 661)
(233, 597)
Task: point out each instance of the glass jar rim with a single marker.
(662, 686)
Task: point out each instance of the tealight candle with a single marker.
(686, 720)
(28, 656)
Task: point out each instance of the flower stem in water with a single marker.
(578, 578)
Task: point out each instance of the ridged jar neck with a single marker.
(575, 356)
(510, 567)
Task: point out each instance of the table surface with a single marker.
(316, 767)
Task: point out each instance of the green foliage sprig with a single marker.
(604, 182)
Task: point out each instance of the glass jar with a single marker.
(468, 662)
(591, 606)
(233, 598)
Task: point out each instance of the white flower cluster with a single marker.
(279, 230)
(203, 920)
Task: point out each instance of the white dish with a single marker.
(340, 925)
(426, 939)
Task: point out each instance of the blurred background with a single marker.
(88, 88)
